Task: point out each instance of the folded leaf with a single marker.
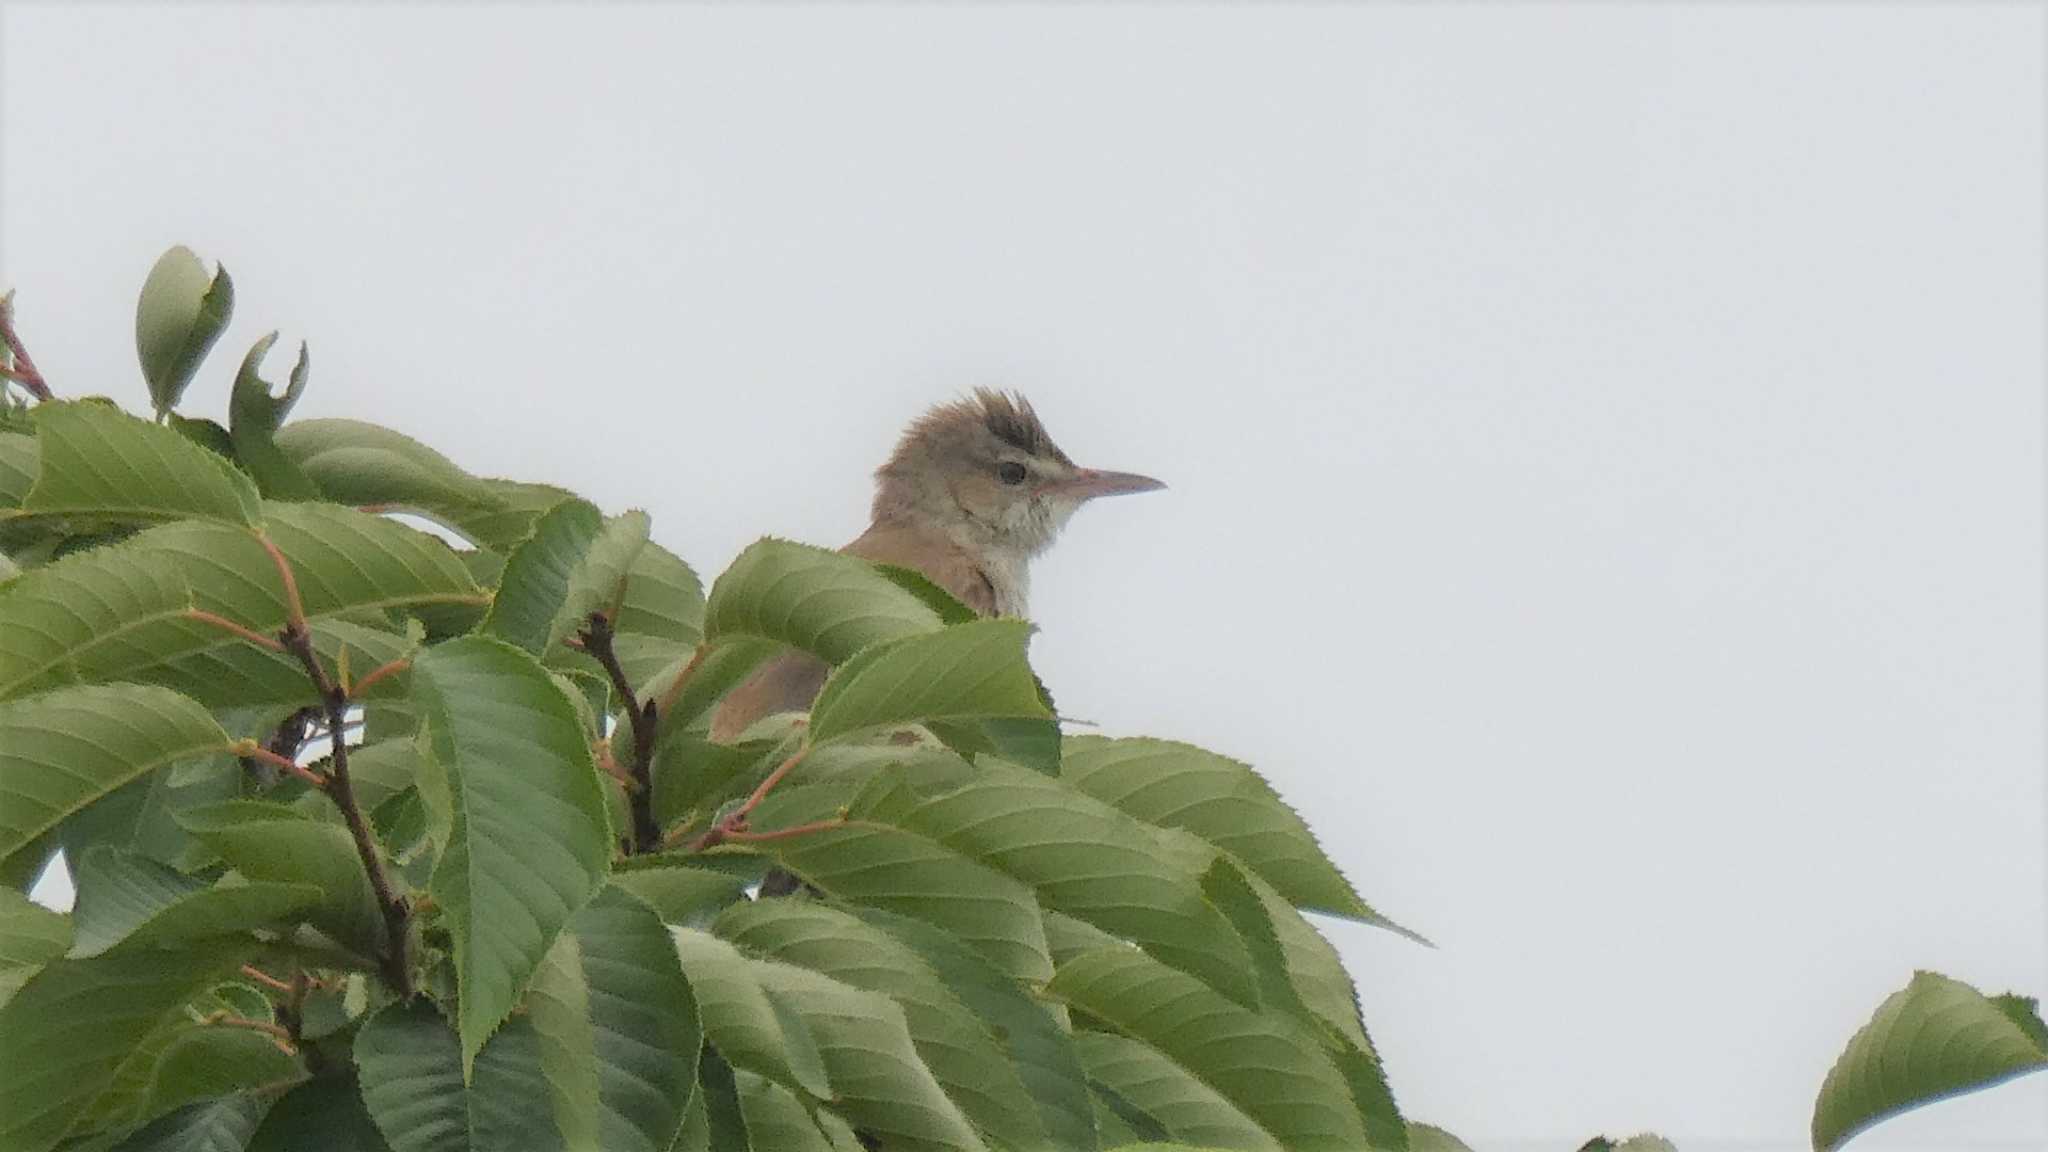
(181, 312)
(253, 418)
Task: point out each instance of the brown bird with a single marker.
(974, 491)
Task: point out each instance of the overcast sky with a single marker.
(1606, 443)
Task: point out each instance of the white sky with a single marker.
(1606, 442)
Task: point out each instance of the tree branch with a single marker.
(297, 638)
(596, 637)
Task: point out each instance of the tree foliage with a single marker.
(395, 824)
(511, 905)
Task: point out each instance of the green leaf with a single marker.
(527, 842)
(120, 613)
(960, 1051)
(964, 673)
(1090, 861)
(74, 1023)
(251, 407)
(776, 1119)
(1933, 1039)
(618, 1027)
(1035, 1039)
(324, 1114)
(825, 603)
(740, 1020)
(30, 937)
(370, 466)
(725, 1127)
(181, 312)
(1269, 1065)
(20, 460)
(220, 1124)
(661, 619)
(726, 664)
(100, 462)
(426, 1095)
(1222, 801)
(911, 873)
(1430, 1138)
(208, 434)
(598, 581)
(183, 1062)
(880, 1083)
(679, 894)
(127, 898)
(534, 588)
(276, 843)
(62, 750)
(253, 418)
(1168, 1095)
(948, 607)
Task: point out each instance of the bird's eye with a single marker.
(1010, 472)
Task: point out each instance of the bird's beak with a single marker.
(1087, 484)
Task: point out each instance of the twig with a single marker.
(674, 691)
(745, 837)
(735, 824)
(277, 1032)
(602, 753)
(297, 638)
(265, 978)
(596, 638)
(226, 625)
(20, 368)
(379, 673)
(285, 742)
(251, 750)
(291, 1015)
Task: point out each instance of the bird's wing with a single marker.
(940, 560)
(786, 683)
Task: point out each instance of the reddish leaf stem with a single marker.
(277, 1032)
(251, 750)
(379, 673)
(23, 370)
(745, 837)
(226, 625)
(734, 826)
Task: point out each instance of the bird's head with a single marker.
(984, 471)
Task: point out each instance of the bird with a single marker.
(973, 492)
